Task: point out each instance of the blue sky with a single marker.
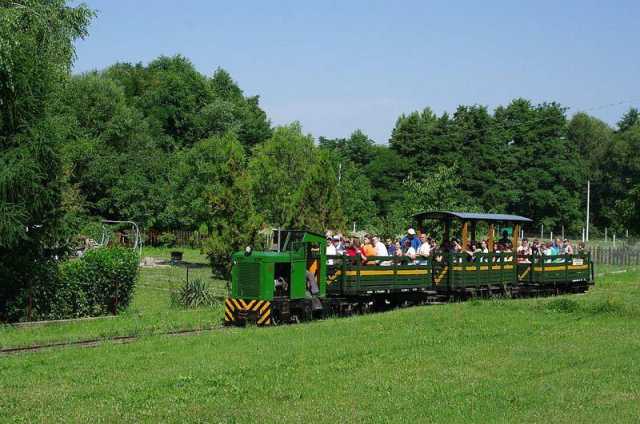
(337, 66)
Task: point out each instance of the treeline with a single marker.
(171, 148)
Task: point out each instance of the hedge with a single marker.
(100, 282)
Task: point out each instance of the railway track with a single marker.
(100, 341)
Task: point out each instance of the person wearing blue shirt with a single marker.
(411, 235)
(556, 247)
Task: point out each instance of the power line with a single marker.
(608, 105)
(512, 126)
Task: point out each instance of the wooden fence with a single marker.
(615, 256)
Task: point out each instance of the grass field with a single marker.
(566, 359)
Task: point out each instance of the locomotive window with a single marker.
(282, 279)
(313, 250)
(287, 240)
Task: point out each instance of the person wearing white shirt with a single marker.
(424, 251)
(409, 251)
(381, 249)
(331, 250)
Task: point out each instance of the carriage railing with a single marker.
(461, 258)
(561, 267)
(379, 260)
(492, 261)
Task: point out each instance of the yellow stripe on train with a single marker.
(551, 267)
(261, 308)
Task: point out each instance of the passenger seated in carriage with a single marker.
(471, 252)
(524, 251)
(409, 251)
(508, 249)
(424, 251)
(568, 248)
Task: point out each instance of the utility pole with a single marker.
(588, 198)
(541, 231)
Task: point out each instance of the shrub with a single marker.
(167, 239)
(193, 294)
(36, 295)
(98, 283)
(108, 276)
(94, 230)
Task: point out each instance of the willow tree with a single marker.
(36, 53)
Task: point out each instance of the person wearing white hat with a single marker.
(411, 236)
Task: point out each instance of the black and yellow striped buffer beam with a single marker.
(261, 309)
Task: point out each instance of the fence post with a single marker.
(115, 304)
(29, 301)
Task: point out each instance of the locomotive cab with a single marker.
(271, 286)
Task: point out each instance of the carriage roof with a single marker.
(469, 216)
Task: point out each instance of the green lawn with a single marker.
(149, 313)
(567, 359)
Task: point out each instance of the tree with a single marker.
(593, 140)
(629, 119)
(211, 187)
(622, 173)
(119, 170)
(252, 127)
(175, 93)
(386, 172)
(201, 174)
(358, 148)
(547, 180)
(294, 184)
(479, 154)
(36, 52)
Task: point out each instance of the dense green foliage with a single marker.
(100, 282)
(152, 143)
(36, 53)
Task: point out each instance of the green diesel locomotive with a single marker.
(296, 281)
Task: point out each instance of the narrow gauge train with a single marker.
(270, 287)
